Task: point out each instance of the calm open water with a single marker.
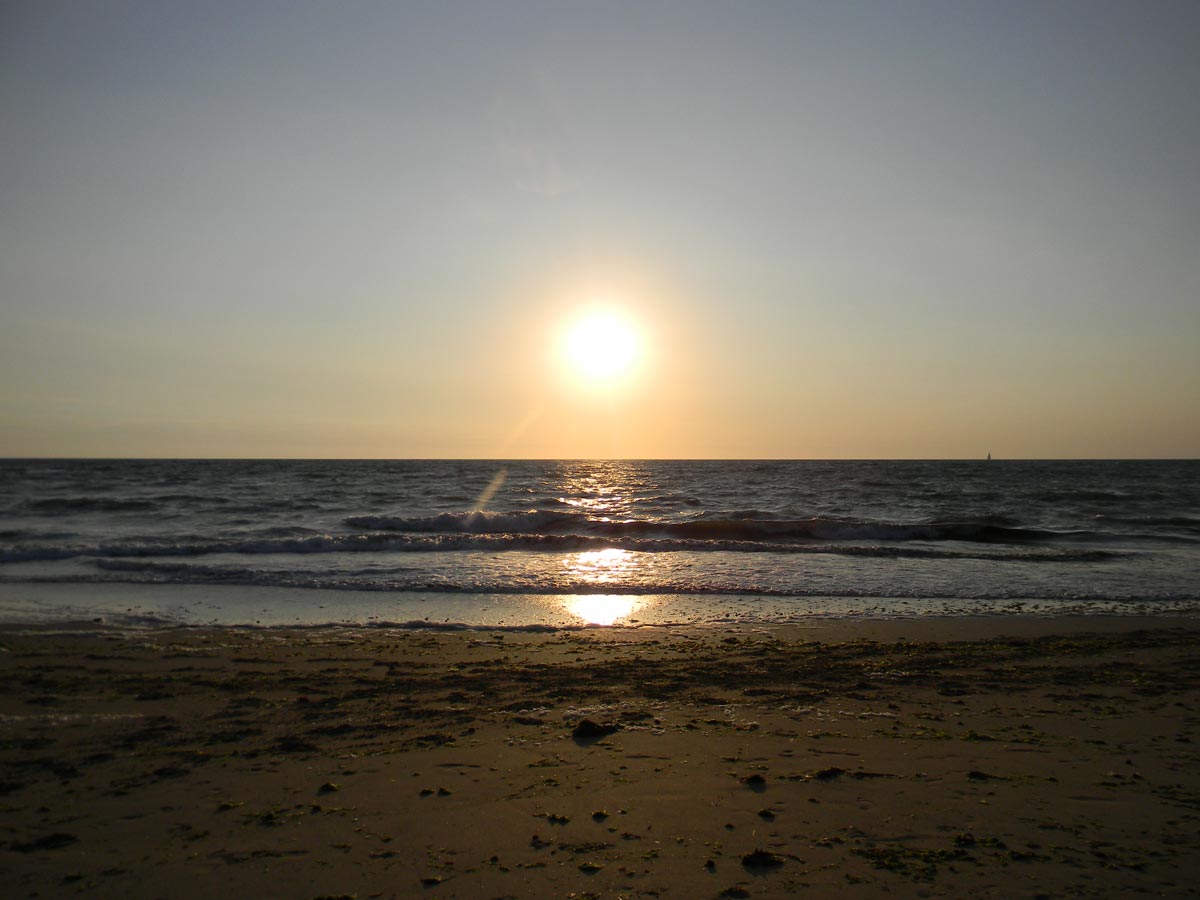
(537, 543)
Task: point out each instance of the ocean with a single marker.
(560, 544)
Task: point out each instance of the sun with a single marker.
(601, 347)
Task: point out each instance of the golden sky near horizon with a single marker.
(832, 230)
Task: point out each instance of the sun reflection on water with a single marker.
(601, 566)
(609, 566)
(604, 492)
(602, 609)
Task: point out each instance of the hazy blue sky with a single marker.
(358, 229)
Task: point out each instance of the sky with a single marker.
(838, 229)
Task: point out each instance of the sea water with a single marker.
(573, 543)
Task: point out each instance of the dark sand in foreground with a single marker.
(989, 758)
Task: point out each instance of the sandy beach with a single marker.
(987, 757)
(590, 451)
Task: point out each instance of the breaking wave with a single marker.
(382, 542)
(402, 580)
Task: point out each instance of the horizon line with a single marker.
(987, 458)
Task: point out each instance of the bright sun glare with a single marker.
(601, 347)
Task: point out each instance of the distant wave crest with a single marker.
(68, 505)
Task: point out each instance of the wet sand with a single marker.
(938, 758)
